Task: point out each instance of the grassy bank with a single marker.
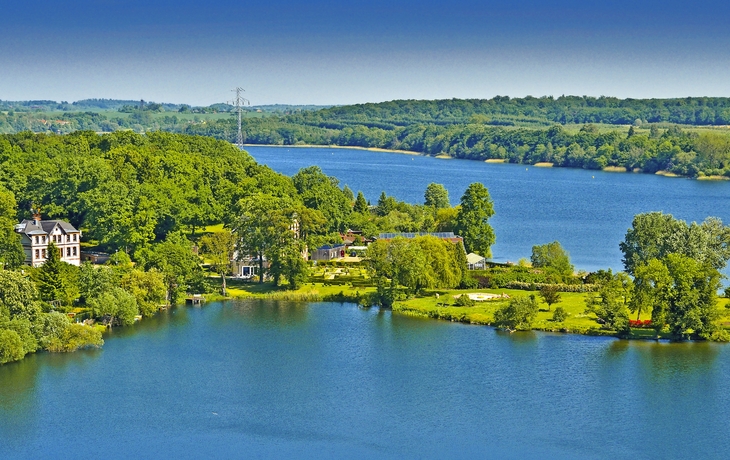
(442, 307)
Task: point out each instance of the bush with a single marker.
(560, 315)
(11, 347)
(468, 282)
(518, 314)
(464, 301)
(561, 287)
(78, 336)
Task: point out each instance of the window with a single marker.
(44, 253)
(43, 239)
(37, 254)
(68, 238)
(74, 237)
(68, 252)
(74, 250)
(37, 240)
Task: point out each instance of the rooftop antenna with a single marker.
(239, 101)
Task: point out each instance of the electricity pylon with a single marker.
(239, 101)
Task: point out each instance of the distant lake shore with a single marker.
(444, 156)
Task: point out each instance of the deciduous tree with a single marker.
(472, 220)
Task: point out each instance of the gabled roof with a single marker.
(44, 227)
(474, 258)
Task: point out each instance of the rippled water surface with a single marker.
(587, 211)
(328, 380)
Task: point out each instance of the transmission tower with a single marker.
(239, 102)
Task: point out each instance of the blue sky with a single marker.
(338, 52)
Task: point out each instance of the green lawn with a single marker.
(483, 312)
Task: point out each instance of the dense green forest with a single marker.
(151, 199)
(146, 199)
(662, 136)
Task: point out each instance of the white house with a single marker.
(37, 234)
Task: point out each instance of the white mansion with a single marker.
(37, 234)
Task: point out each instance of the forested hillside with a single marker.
(581, 132)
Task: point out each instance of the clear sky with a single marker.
(349, 51)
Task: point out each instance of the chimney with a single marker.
(36, 215)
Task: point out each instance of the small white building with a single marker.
(475, 261)
(37, 234)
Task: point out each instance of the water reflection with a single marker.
(175, 317)
(272, 313)
(17, 385)
(669, 360)
(519, 338)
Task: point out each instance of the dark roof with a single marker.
(390, 236)
(44, 227)
(327, 246)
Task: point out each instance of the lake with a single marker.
(328, 380)
(587, 211)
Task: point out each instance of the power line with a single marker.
(239, 101)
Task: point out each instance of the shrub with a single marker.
(561, 287)
(518, 314)
(560, 315)
(464, 301)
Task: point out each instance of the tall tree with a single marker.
(472, 220)
(361, 204)
(321, 192)
(11, 249)
(49, 276)
(263, 228)
(682, 293)
(611, 303)
(219, 248)
(436, 196)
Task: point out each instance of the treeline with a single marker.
(469, 129)
(672, 149)
(543, 110)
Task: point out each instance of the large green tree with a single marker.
(654, 235)
(11, 249)
(472, 220)
(321, 192)
(553, 257)
(682, 295)
(264, 228)
(611, 303)
(436, 196)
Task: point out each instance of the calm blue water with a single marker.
(587, 211)
(326, 380)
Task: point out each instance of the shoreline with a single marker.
(443, 156)
(370, 149)
(428, 308)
